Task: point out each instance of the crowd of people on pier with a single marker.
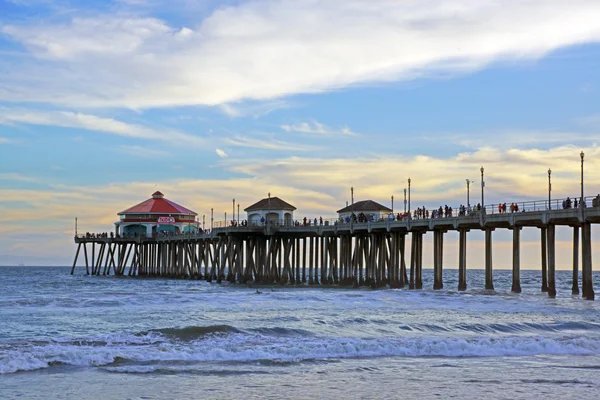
(102, 235)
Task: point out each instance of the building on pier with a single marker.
(155, 215)
(272, 209)
(371, 209)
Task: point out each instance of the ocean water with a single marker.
(81, 337)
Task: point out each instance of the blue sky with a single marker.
(102, 102)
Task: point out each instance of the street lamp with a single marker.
(352, 199)
(268, 210)
(392, 204)
(404, 200)
(468, 201)
(212, 219)
(203, 221)
(581, 201)
(234, 209)
(238, 213)
(549, 189)
(409, 198)
(482, 186)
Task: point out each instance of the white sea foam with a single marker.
(257, 348)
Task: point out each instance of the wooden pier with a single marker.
(370, 254)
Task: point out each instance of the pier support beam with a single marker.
(551, 260)
(76, 256)
(543, 238)
(516, 259)
(586, 253)
(462, 260)
(402, 273)
(413, 260)
(438, 253)
(575, 287)
(419, 266)
(489, 279)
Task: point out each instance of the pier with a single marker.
(336, 252)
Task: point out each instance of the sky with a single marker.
(104, 102)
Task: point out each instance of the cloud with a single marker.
(4, 140)
(316, 128)
(307, 127)
(510, 139)
(270, 144)
(69, 119)
(221, 153)
(253, 109)
(268, 49)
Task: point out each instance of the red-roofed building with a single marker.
(156, 214)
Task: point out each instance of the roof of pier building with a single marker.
(273, 203)
(157, 204)
(364, 205)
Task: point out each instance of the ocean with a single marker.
(82, 337)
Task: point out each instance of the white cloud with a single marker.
(307, 127)
(4, 140)
(268, 49)
(90, 122)
(268, 144)
(316, 128)
(254, 110)
(221, 153)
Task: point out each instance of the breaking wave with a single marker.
(165, 349)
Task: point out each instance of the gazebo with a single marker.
(372, 210)
(156, 215)
(272, 209)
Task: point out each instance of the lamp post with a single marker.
(212, 219)
(234, 209)
(409, 198)
(238, 213)
(225, 220)
(581, 201)
(268, 210)
(75, 226)
(405, 200)
(352, 199)
(468, 201)
(203, 221)
(549, 189)
(482, 186)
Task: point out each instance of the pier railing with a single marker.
(429, 213)
(465, 213)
